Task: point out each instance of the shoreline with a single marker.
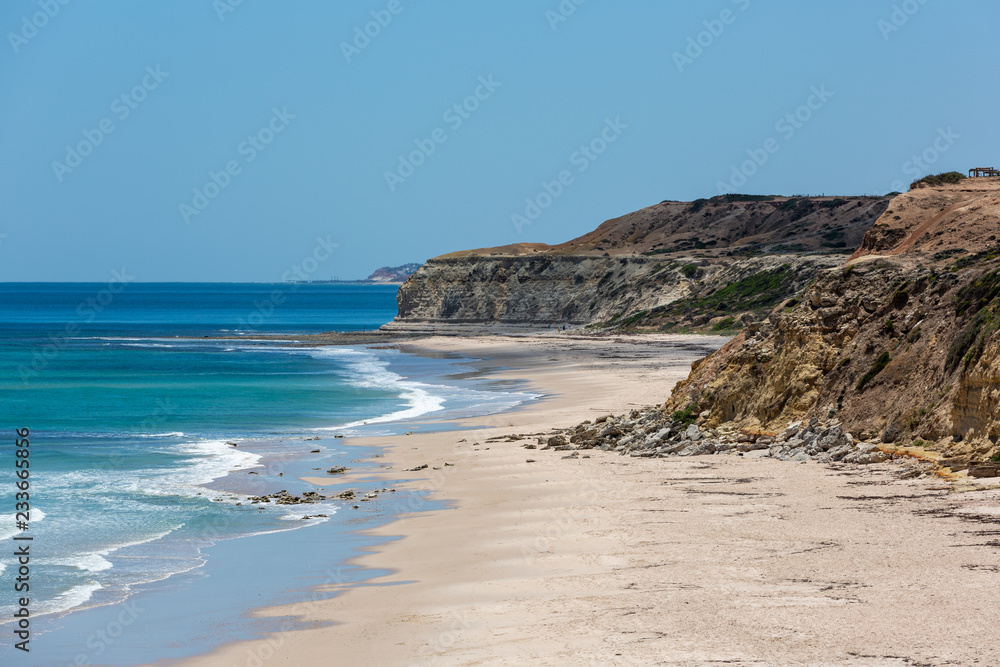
(617, 560)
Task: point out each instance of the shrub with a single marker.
(727, 323)
(947, 178)
(737, 198)
(634, 318)
(977, 295)
(969, 343)
(880, 363)
(690, 270)
(685, 416)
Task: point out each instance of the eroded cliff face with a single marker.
(630, 270)
(582, 290)
(901, 342)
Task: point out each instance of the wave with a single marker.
(212, 460)
(89, 562)
(8, 524)
(366, 370)
(75, 597)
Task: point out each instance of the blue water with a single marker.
(133, 414)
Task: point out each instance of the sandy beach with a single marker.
(611, 560)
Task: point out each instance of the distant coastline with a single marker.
(386, 275)
(344, 282)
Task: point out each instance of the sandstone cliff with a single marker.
(900, 342)
(665, 267)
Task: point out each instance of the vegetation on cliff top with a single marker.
(936, 180)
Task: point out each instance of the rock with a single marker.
(758, 454)
(657, 437)
(789, 431)
(531, 461)
(873, 457)
(556, 441)
(692, 432)
(891, 434)
(339, 470)
(984, 471)
(418, 468)
(838, 453)
(866, 453)
(601, 420)
(829, 440)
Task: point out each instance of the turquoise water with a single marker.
(132, 414)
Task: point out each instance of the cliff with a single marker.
(900, 342)
(660, 268)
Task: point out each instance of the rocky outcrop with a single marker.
(630, 271)
(655, 433)
(901, 343)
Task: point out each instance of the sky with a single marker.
(239, 140)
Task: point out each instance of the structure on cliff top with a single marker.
(983, 172)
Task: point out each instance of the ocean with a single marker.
(155, 412)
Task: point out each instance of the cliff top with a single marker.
(938, 223)
(721, 226)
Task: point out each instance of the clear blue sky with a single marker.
(222, 74)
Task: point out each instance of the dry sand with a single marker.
(612, 560)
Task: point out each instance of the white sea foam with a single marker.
(70, 599)
(89, 562)
(311, 511)
(8, 523)
(171, 434)
(208, 461)
(367, 370)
